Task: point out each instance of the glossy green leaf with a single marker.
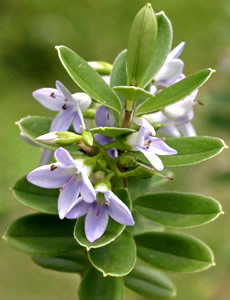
(143, 225)
(162, 48)
(119, 73)
(112, 131)
(174, 252)
(190, 151)
(96, 287)
(33, 127)
(132, 93)
(174, 93)
(138, 186)
(42, 200)
(113, 229)
(178, 209)
(141, 44)
(88, 79)
(42, 235)
(76, 262)
(150, 283)
(117, 258)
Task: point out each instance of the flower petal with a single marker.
(96, 221)
(83, 100)
(170, 130)
(153, 158)
(159, 147)
(176, 52)
(63, 90)
(144, 123)
(78, 209)
(46, 157)
(187, 129)
(49, 98)
(63, 157)
(87, 191)
(169, 72)
(50, 176)
(106, 78)
(62, 120)
(68, 195)
(118, 210)
(77, 123)
(104, 117)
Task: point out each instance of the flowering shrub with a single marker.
(103, 154)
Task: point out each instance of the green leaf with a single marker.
(112, 131)
(113, 229)
(174, 252)
(138, 186)
(143, 225)
(88, 79)
(42, 200)
(141, 44)
(96, 287)
(174, 93)
(75, 262)
(190, 151)
(119, 73)
(117, 258)
(42, 235)
(132, 93)
(162, 48)
(33, 127)
(178, 209)
(150, 283)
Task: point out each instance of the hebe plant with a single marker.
(94, 189)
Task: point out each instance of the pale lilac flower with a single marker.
(145, 141)
(70, 107)
(68, 174)
(98, 212)
(105, 118)
(46, 153)
(176, 118)
(171, 71)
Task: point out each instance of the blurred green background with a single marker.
(98, 30)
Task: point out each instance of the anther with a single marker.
(65, 99)
(64, 107)
(200, 102)
(107, 204)
(53, 95)
(76, 173)
(53, 167)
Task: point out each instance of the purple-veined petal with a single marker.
(68, 195)
(63, 90)
(112, 152)
(96, 221)
(104, 117)
(170, 130)
(101, 139)
(176, 52)
(49, 98)
(118, 210)
(144, 123)
(87, 191)
(169, 72)
(156, 117)
(187, 129)
(50, 176)
(62, 120)
(77, 123)
(159, 147)
(78, 209)
(179, 111)
(63, 157)
(46, 157)
(152, 158)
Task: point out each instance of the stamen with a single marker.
(65, 99)
(53, 167)
(107, 204)
(64, 107)
(52, 95)
(148, 143)
(150, 133)
(199, 102)
(76, 173)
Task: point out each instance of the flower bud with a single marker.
(101, 67)
(59, 138)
